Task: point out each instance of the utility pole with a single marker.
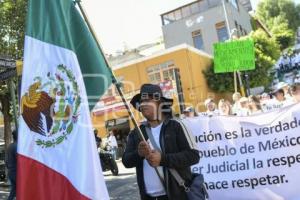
(247, 83)
(230, 37)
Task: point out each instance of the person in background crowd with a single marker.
(281, 100)
(224, 108)
(236, 102)
(265, 97)
(295, 89)
(286, 62)
(97, 138)
(244, 110)
(189, 112)
(293, 59)
(121, 144)
(179, 151)
(210, 108)
(266, 102)
(297, 78)
(254, 105)
(298, 61)
(285, 87)
(112, 142)
(11, 164)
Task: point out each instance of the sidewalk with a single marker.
(4, 190)
(123, 186)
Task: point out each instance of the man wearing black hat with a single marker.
(173, 149)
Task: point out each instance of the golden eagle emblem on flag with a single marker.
(50, 107)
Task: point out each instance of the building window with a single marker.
(151, 78)
(222, 32)
(177, 14)
(197, 39)
(186, 11)
(161, 72)
(195, 8)
(157, 77)
(168, 18)
(168, 75)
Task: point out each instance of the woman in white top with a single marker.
(295, 89)
(112, 142)
(244, 108)
(224, 108)
(254, 105)
(236, 102)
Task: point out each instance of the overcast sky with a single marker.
(130, 22)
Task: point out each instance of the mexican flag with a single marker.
(57, 155)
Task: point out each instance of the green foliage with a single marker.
(222, 82)
(282, 18)
(253, 22)
(266, 53)
(285, 39)
(12, 31)
(284, 36)
(5, 96)
(269, 10)
(265, 46)
(12, 27)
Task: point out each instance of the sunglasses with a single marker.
(147, 97)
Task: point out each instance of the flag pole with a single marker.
(114, 79)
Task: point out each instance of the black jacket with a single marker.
(178, 154)
(11, 158)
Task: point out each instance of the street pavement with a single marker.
(4, 191)
(121, 187)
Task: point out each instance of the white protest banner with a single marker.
(250, 158)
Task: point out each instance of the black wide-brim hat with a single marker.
(152, 91)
